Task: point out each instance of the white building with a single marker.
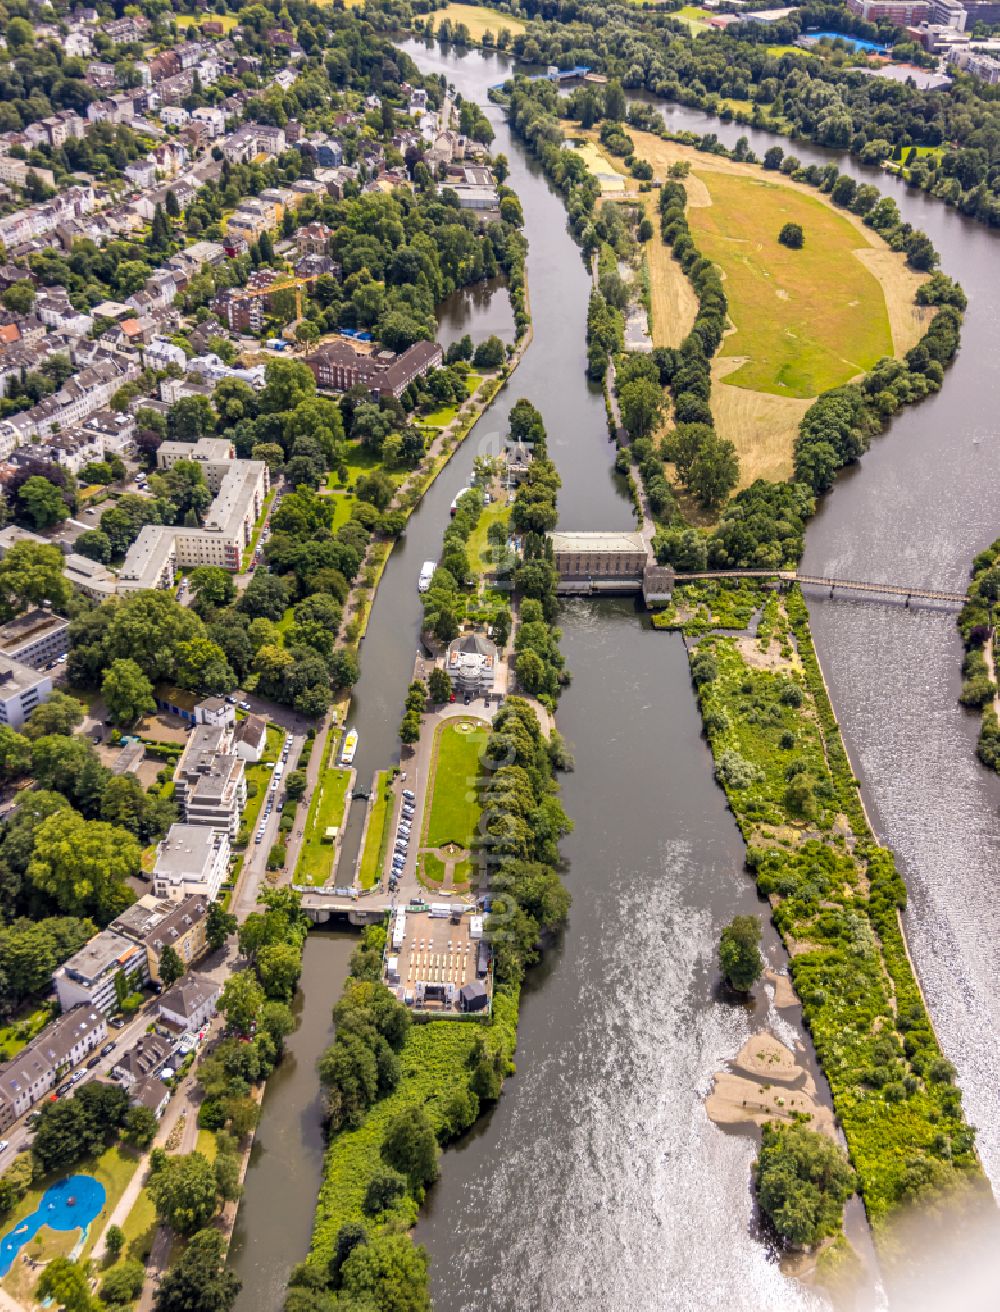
(39, 1067)
(21, 690)
(189, 1004)
(210, 781)
(89, 975)
(160, 353)
(250, 738)
(191, 860)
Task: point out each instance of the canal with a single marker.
(598, 1181)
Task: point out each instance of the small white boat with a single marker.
(349, 748)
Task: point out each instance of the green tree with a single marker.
(41, 502)
(213, 587)
(199, 1280)
(123, 1283)
(241, 1001)
(803, 1180)
(127, 693)
(114, 1241)
(411, 1146)
(219, 925)
(83, 865)
(439, 685)
(20, 297)
(183, 1191)
(171, 966)
(389, 1272)
(140, 1131)
(641, 404)
(15, 754)
(30, 573)
(792, 236)
(739, 953)
(63, 1282)
(60, 714)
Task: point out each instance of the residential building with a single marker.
(209, 781)
(189, 1005)
(141, 171)
(35, 638)
(158, 923)
(224, 535)
(250, 738)
(141, 1061)
(471, 663)
(898, 13)
(160, 353)
(90, 577)
(39, 1067)
(977, 63)
(150, 1092)
(191, 860)
(339, 367)
(88, 977)
(21, 690)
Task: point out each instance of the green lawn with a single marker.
(694, 18)
(21, 1030)
(228, 21)
(806, 320)
(343, 504)
(261, 776)
(454, 806)
(377, 835)
(479, 551)
(431, 868)
(777, 51)
(315, 861)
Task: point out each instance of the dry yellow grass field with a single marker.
(762, 423)
(478, 20)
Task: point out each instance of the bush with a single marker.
(803, 1180)
(739, 953)
(792, 236)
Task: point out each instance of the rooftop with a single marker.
(106, 951)
(597, 541)
(187, 850)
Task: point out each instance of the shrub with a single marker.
(792, 236)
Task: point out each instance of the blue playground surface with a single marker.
(854, 41)
(72, 1204)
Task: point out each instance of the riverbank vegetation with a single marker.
(835, 897)
(976, 624)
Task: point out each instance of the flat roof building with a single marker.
(191, 860)
(602, 555)
(35, 638)
(22, 689)
(88, 977)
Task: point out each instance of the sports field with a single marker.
(806, 320)
(454, 806)
(478, 19)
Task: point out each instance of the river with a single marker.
(598, 1181)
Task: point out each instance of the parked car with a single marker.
(409, 794)
(63, 1089)
(118, 1022)
(94, 1061)
(4, 1144)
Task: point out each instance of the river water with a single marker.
(598, 1182)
